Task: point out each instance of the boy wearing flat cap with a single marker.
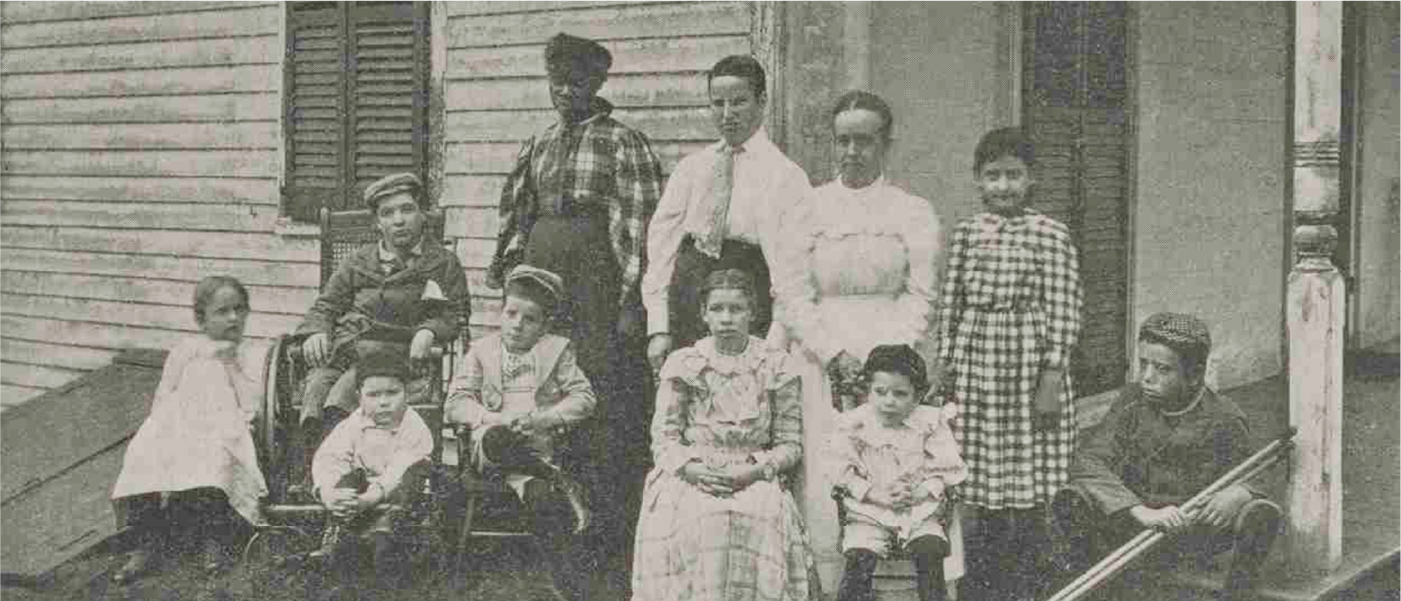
(401, 295)
(1166, 438)
(578, 203)
(518, 389)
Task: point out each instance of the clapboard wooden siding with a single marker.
(496, 95)
(141, 146)
(140, 153)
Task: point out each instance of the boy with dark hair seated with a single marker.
(1166, 438)
(518, 390)
(373, 467)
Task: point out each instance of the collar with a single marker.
(598, 109)
(364, 422)
(759, 142)
(728, 364)
(1196, 401)
(868, 188)
(388, 256)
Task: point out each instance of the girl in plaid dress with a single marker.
(1009, 317)
(717, 522)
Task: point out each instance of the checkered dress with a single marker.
(1010, 306)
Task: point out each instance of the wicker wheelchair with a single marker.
(294, 523)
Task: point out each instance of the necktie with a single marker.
(718, 225)
(516, 365)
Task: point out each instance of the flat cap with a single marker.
(1183, 333)
(547, 281)
(565, 54)
(393, 184)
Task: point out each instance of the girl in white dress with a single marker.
(862, 272)
(191, 471)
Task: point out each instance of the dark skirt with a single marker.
(613, 446)
(576, 247)
(687, 280)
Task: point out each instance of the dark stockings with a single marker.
(928, 553)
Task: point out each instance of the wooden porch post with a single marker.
(1316, 294)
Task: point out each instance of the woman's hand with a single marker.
(657, 350)
(316, 349)
(1046, 405)
(421, 345)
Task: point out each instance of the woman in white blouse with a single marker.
(861, 272)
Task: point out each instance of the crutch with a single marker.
(1118, 560)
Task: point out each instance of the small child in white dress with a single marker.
(896, 461)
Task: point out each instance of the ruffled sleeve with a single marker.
(843, 450)
(795, 292)
(680, 377)
(944, 465)
(785, 392)
(923, 236)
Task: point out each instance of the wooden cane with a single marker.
(1153, 538)
(1116, 561)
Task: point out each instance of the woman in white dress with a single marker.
(861, 272)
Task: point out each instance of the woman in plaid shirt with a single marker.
(578, 203)
(1009, 318)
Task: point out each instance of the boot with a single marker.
(929, 553)
(574, 493)
(857, 576)
(142, 559)
(1256, 526)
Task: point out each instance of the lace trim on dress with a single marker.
(771, 363)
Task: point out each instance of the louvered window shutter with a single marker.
(1076, 114)
(357, 102)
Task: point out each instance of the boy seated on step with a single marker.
(372, 468)
(1167, 437)
(897, 458)
(518, 390)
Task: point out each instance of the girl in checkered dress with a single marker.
(1009, 317)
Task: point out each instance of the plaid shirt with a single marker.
(598, 161)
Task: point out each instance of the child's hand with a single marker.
(711, 483)
(421, 344)
(317, 349)
(340, 501)
(902, 495)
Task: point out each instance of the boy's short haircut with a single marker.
(744, 67)
(899, 359)
(1003, 142)
(381, 364)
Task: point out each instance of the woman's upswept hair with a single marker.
(727, 279)
(861, 99)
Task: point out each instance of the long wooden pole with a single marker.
(1116, 561)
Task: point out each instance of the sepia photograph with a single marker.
(700, 300)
